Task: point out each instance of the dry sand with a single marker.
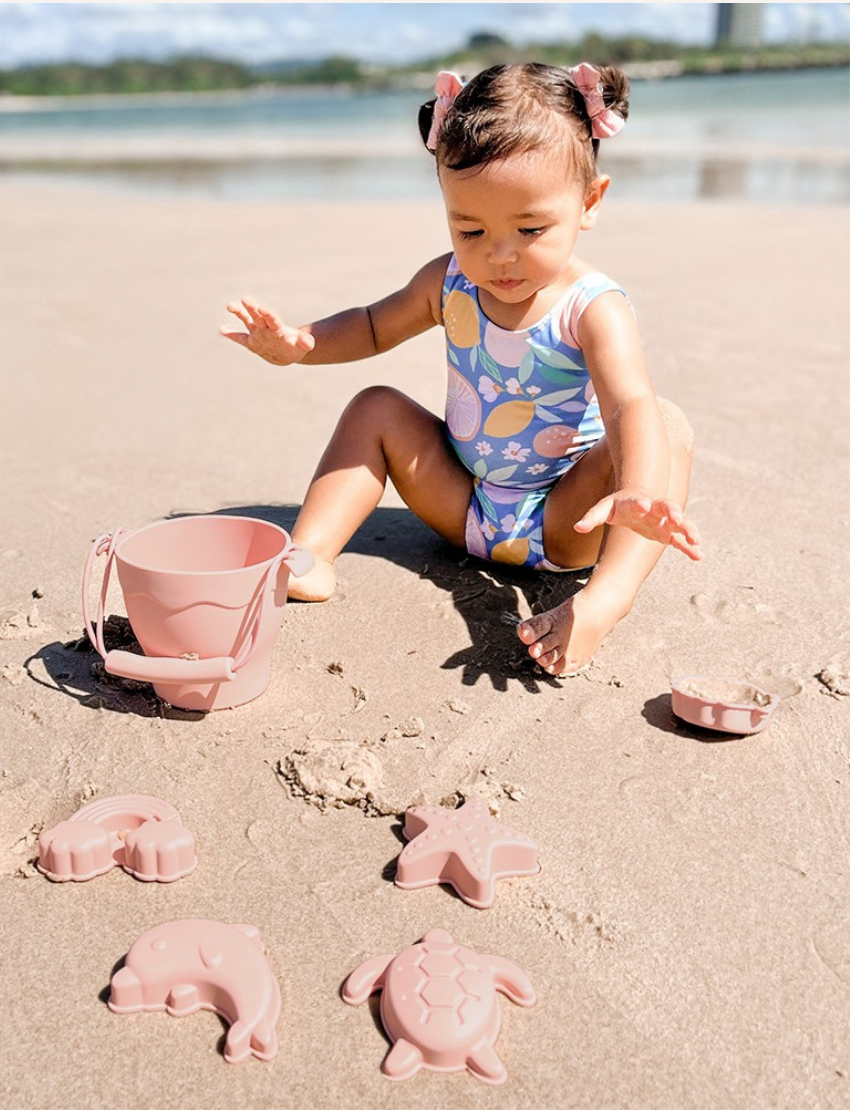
(688, 932)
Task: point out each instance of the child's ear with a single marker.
(596, 190)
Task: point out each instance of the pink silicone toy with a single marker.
(725, 714)
(144, 835)
(190, 965)
(205, 598)
(439, 1006)
(464, 847)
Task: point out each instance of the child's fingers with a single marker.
(692, 550)
(239, 337)
(239, 311)
(596, 515)
(270, 319)
(257, 314)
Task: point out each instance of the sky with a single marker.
(382, 33)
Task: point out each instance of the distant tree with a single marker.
(481, 40)
(329, 71)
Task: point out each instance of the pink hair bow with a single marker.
(447, 86)
(604, 122)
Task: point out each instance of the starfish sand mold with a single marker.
(466, 848)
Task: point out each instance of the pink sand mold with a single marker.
(140, 833)
(193, 964)
(466, 848)
(439, 1006)
(724, 713)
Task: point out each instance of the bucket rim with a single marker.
(136, 565)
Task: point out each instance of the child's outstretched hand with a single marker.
(661, 520)
(267, 335)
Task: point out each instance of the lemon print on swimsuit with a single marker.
(460, 316)
(509, 419)
(463, 407)
(514, 551)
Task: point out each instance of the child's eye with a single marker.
(470, 234)
(531, 230)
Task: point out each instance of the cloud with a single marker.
(33, 33)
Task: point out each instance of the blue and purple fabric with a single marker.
(520, 410)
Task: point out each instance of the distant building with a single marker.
(739, 25)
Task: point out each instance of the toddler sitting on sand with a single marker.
(554, 453)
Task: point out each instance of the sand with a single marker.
(688, 932)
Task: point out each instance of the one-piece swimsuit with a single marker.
(521, 410)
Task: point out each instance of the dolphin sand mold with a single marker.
(196, 964)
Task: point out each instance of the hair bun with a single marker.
(615, 90)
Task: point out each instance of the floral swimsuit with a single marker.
(520, 410)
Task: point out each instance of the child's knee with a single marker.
(375, 403)
(679, 431)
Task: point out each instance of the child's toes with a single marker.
(534, 628)
(545, 650)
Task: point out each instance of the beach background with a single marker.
(688, 932)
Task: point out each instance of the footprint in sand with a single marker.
(732, 610)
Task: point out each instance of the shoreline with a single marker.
(638, 72)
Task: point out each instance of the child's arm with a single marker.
(634, 429)
(347, 336)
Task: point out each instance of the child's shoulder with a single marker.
(427, 284)
(588, 284)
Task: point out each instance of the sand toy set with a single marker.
(439, 1002)
(205, 598)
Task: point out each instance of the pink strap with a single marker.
(104, 545)
(447, 86)
(604, 122)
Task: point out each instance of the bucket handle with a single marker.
(142, 668)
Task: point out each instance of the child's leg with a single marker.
(564, 638)
(381, 434)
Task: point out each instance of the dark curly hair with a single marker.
(514, 109)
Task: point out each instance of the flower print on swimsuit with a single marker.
(488, 389)
(516, 451)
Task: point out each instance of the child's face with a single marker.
(514, 223)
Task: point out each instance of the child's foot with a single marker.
(318, 584)
(562, 640)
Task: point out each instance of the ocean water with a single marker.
(773, 137)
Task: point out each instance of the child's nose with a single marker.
(502, 251)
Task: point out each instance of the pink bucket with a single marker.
(205, 598)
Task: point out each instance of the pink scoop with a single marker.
(439, 1006)
(466, 848)
(722, 704)
(142, 834)
(189, 965)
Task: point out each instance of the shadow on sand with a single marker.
(485, 594)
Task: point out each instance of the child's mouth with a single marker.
(507, 283)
